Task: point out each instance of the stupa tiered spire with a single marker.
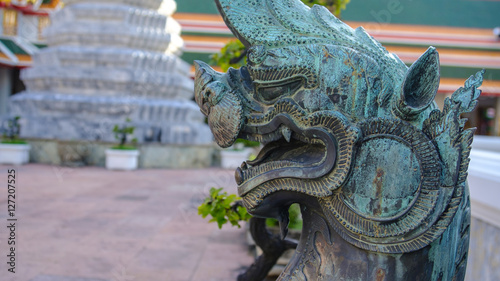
(108, 60)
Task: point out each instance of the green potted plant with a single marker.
(13, 150)
(123, 156)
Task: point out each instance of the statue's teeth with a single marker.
(284, 220)
(244, 165)
(286, 132)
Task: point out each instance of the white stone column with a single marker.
(5, 88)
(496, 129)
(1, 21)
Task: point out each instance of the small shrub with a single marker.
(11, 133)
(122, 134)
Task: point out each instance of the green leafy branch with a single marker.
(233, 54)
(223, 208)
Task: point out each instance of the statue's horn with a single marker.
(420, 86)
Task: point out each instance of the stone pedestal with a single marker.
(108, 61)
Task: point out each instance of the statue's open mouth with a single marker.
(289, 152)
(303, 152)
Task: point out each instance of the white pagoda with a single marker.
(106, 61)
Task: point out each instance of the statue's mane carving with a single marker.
(268, 24)
(280, 23)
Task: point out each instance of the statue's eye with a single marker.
(269, 93)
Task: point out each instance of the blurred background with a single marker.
(82, 81)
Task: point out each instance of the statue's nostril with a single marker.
(207, 96)
(206, 109)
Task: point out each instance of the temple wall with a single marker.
(484, 184)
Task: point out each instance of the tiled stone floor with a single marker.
(90, 224)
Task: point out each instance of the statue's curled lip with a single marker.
(290, 152)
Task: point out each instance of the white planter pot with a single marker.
(232, 159)
(117, 159)
(14, 154)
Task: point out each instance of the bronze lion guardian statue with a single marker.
(353, 135)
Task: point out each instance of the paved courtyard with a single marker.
(90, 224)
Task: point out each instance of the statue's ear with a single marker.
(420, 85)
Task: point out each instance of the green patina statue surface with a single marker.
(351, 134)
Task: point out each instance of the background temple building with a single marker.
(463, 33)
(103, 62)
(21, 26)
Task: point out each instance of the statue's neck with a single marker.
(323, 255)
(315, 255)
